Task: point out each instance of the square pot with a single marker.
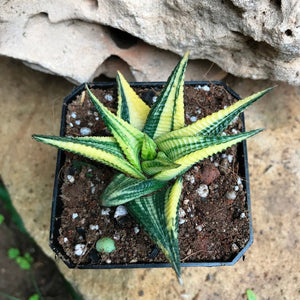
(57, 240)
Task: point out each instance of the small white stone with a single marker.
(193, 118)
(234, 247)
(96, 114)
(77, 122)
(230, 158)
(186, 201)
(108, 97)
(154, 99)
(239, 180)
(216, 164)
(80, 249)
(188, 209)
(206, 88)
(73, 115)
(136, 230)
(243, 215)
(108, 261)
(93, 190)
(181, 213)
(97, 118)
(117, 237)
(181, 221)
(203, 190)
(65, 240)
(90, 124)
(71, 178)
(74, 216)
(236, 188)
(234, 131)
(85, 131)
(120, 211)
(94, 227)
(198, 111)
(190, 178)
(105, 211)
(199, 228)
(230, 195)
(71, 125)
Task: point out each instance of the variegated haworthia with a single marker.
(151, 146)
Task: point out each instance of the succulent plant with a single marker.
(151, 148)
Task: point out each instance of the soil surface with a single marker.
(213, 216)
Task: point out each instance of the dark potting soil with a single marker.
(213, 216)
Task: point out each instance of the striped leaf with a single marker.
(215, 123)
(102, 149)
(167, 114)
(172, 207)
(128, 137)
(160, 163)
(131, 107)
(123, 189)
(149, 212)
(186, 161)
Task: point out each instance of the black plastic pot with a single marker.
(57, 203)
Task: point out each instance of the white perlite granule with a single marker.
(80, 249)
(108, 97)
(120, 211)
(85, 131)
(203, 190)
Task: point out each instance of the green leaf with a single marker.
(129, 138)
(102, 149)
(13, 253)
(215, 123)
(1, 219)
(123, 189)
(176, 147)
(191, 158)
(167, 114)
(23, 263)
(251, 295)
(160, 163)
(34, 297)
(172, 207)
(149, 212)
(131, 108)
(148, 148)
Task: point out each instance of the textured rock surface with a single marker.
(31, 103)
(257, 39)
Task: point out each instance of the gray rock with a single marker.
(256, 39)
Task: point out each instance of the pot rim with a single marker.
(242, 152)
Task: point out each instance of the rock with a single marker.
(80, 40)
(208, 174)
(81, 51)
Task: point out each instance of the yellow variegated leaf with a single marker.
(128, 137)
(215, 123)
(102, 149)
(172, 206)
(167, 114)
(149, 212)
(187, 161)
(131, 107)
